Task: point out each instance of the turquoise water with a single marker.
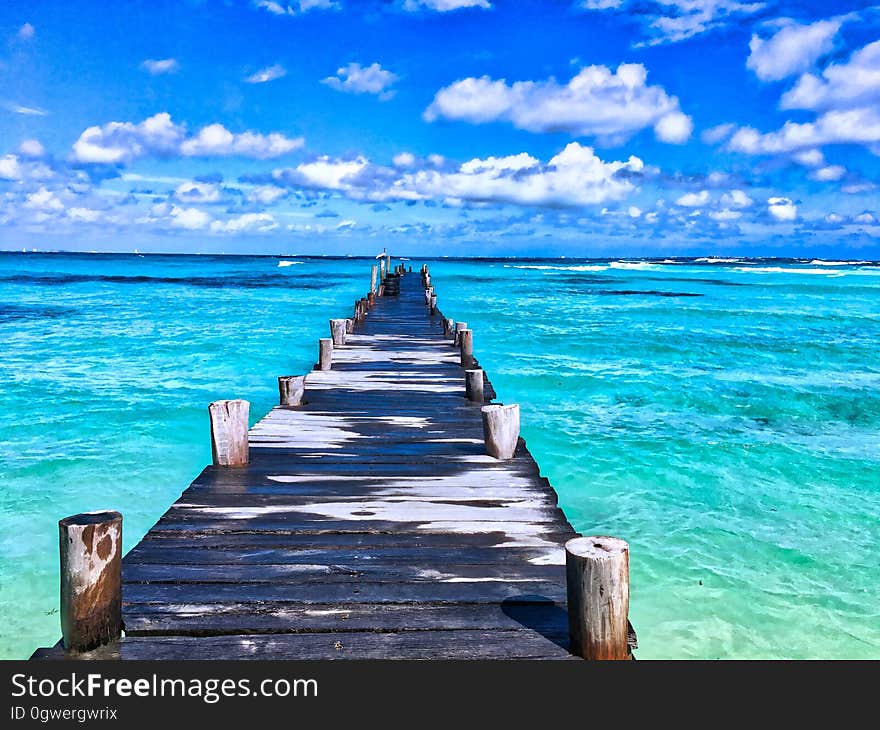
(723, 417)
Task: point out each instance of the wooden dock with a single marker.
(369, 523)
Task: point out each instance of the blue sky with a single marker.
(459, 127)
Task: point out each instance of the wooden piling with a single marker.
(325, 353)
(501, 430)
(337, 331)
(349, 325)
(473, 385)
(433, 305)
(374, 272)
(91, 579)
(466, 341)
(381, 291)
(459, 326)
(597, 581)
(229, 432)
(291, 389)
(449, 328)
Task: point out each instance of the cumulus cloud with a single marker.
(829, 173)
(792, 49)
(717, 134)
(848, 126)
(841, 86)
(26, 32)
(444, 6)
(694, 200)
(10, 169)
(156, 67)
(782, 209)
(245, 223)
(122, 142)
(357, 79)
(192, 219)
(32, 148)
(266, 194)
(404, 159)
(598, 102)
(736, 199)
(269, 73)
(574, 177)
(672, 21)
(197, 192)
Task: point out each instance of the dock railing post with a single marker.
(501, 430)
(349, 325)
(473, 385)
(337, 331)
(90, 546)
(597, 580)
(433, 305)
(374, 272)
(449, 328)
(466, 340)
(325, 353)
(229, 432)
(291, 390)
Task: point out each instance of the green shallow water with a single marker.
(732, 435)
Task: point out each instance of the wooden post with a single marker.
(501, 430)
(433, 305)
(597, 579)
(466, 340)
(473, 385)
(291, 389)
(459, 326)
(337, 331)
(229, 432)
(382, 269)
(381, 291)
(371, 299)
(91, 579)
(325, 353)
(449, 328)
(374, 272)
(349, 325)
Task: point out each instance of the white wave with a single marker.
(638, 265)
(820, 262)
(716, 260)
(290, 263)
(787, 270)
(542, 267)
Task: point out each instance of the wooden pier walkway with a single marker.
(369, 523)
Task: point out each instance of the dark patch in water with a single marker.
(17, 312)
(254, 281)
(651, 293)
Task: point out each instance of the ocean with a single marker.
(721, 415)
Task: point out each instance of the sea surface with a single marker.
(723, 416)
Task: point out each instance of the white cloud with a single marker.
(829, 173)
(26, 32)
(792, 49)
(85, 215)
(809, 158)
(634, 212)
(717, 134)
(29, 111)
(122, 142)
(9, 168)
(674, 128)
(574, 177)
(296, 8)
(610, 105)
(865, 217)
(693, 200)
(32, 148)
(404, 159)
(725, 214)
(197, 192)
(267, 74)
(247, 222)
(671, 21)
(266, 194)
(44, 200)
(357, 79)
(782, 209)
(847, 85)
(444, 6)
(192, 219)
(736, 199)
(157, 67)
